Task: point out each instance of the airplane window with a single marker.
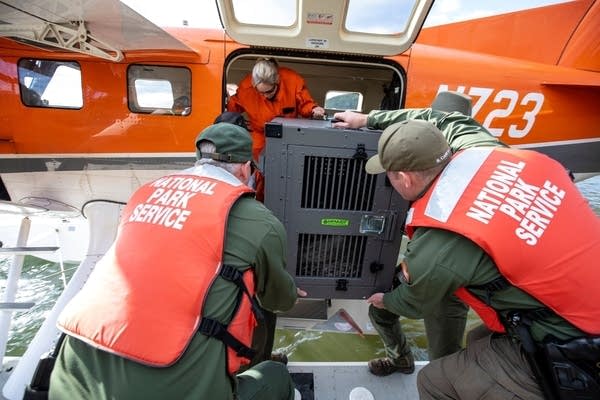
(152, 93)
(159, 90)
(274, 13)
(339, 101)
(49, 83)
(364, 17)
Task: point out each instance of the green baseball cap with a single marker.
(411, 145)
(233, 143)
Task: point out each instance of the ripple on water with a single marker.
(41, 283)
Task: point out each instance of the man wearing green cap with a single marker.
(444, 321)
(170, 309)
(487, 224)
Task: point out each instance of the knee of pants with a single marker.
(381, 315)
(274, 370)
(424, 383)
(267, 380)
(432, 382)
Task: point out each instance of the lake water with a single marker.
(42, 283)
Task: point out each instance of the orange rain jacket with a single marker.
(144, 300)
(291, 100)
(522, 208)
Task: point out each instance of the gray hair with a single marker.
(265, 71)
(209, 147)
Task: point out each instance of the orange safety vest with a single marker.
(521, 207)
(145, 299)
(292, 99)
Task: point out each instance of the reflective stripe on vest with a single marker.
(519, 207)
(144, 299)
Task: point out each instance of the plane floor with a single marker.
(350, 380)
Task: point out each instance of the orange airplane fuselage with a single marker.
(534, 77)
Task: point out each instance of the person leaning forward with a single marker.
(445, 321)
(272, 91)
(496, 220)
(169, 311)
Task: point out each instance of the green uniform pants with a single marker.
(492, 367)
(265, 381)
(444, 329)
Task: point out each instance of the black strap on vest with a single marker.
(234, 275)
(214, 328)
(495, 285)
(502, 283)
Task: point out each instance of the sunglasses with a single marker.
(268, 92)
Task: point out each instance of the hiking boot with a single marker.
(279, 357)
(385, 366)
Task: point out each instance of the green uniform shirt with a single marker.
(440, 261)
(461, 132)
(254, 238)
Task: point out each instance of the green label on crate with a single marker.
(335, 222)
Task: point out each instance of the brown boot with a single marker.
(386, 366)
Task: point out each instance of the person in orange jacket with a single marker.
(271, 91)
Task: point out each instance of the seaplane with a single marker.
(97, 100)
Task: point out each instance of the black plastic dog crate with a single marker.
(344, 226)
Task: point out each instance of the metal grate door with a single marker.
(343, 225)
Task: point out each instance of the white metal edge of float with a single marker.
(338, 363)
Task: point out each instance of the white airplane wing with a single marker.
(102, 28)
